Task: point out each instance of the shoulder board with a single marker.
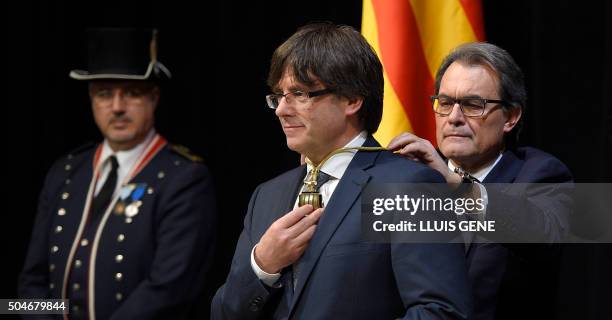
(185, 152)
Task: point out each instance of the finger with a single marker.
(304, 237)
(414, 149)
(293, 216)
(305, 223)
(401, 140)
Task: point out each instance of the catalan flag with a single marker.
(411, 37)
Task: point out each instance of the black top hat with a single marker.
(126, 54)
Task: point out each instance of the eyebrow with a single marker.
(293, 88)
(471, 96)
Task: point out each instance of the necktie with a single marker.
(105, 195)
(322, 178)
(310, 191)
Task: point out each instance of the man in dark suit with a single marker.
(125, 227)
(479, 99)
(296, 262)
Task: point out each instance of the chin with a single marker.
(454, 151)
(294, 144)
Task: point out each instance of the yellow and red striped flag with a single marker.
(411, 37)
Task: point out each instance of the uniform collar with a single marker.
(126, 158)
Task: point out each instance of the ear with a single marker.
(155, 96)
(514, 115)
(353, 105)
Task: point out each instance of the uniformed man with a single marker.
(124, 228)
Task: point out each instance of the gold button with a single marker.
(51, 267)
(118, 296)
(65, 195)
(177, 163)
(78, 263)
(61, 212)
(70, 156)
(128, 220)
(118, 258)
(68, 181)
(54, 249)
(118, 276)
(161, 175)
(58, 229)
(51, 285)
(120, 237)
(84, 243)
(67, 167)
(150, 190)
(76, 286)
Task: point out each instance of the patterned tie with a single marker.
(310, 191)
(101, 201)
(322, 178)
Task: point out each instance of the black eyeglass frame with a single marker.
(461, 104)
(308, 94)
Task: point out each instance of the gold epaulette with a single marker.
(185, 152)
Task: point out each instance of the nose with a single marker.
(118, 103)
(456, 116)
(283, 108)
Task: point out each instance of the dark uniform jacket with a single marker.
(148, 264)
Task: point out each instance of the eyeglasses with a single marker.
(300, 97)
(471, 107)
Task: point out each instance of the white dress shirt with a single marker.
(480, 175)
(335, 167)
(126, 159)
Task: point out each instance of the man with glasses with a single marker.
(300, 261)
(125, 227)
(479, 102)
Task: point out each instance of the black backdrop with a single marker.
(219, 54)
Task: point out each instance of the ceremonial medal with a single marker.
(119, 208)
(132, 209)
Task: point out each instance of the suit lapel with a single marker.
(286, 203)
(506, 169)
(346, 193)
(289, 194)
(504, 172)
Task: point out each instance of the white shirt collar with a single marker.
(126, 158)
(338, 163)
(482, 173)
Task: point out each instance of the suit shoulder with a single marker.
(392, 160)
(543, 162)
(533, 156)
(75, 156)
(286, 177)
(404, 170)
(82, 150)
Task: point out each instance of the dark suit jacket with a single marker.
(166, 249)
(518, 281)
(341, 276)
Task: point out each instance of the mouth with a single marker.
(120, 123)
(456, 135)
(288, 129)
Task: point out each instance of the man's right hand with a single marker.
(286, 239)
(419, 149)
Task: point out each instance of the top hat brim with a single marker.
(155, 71)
